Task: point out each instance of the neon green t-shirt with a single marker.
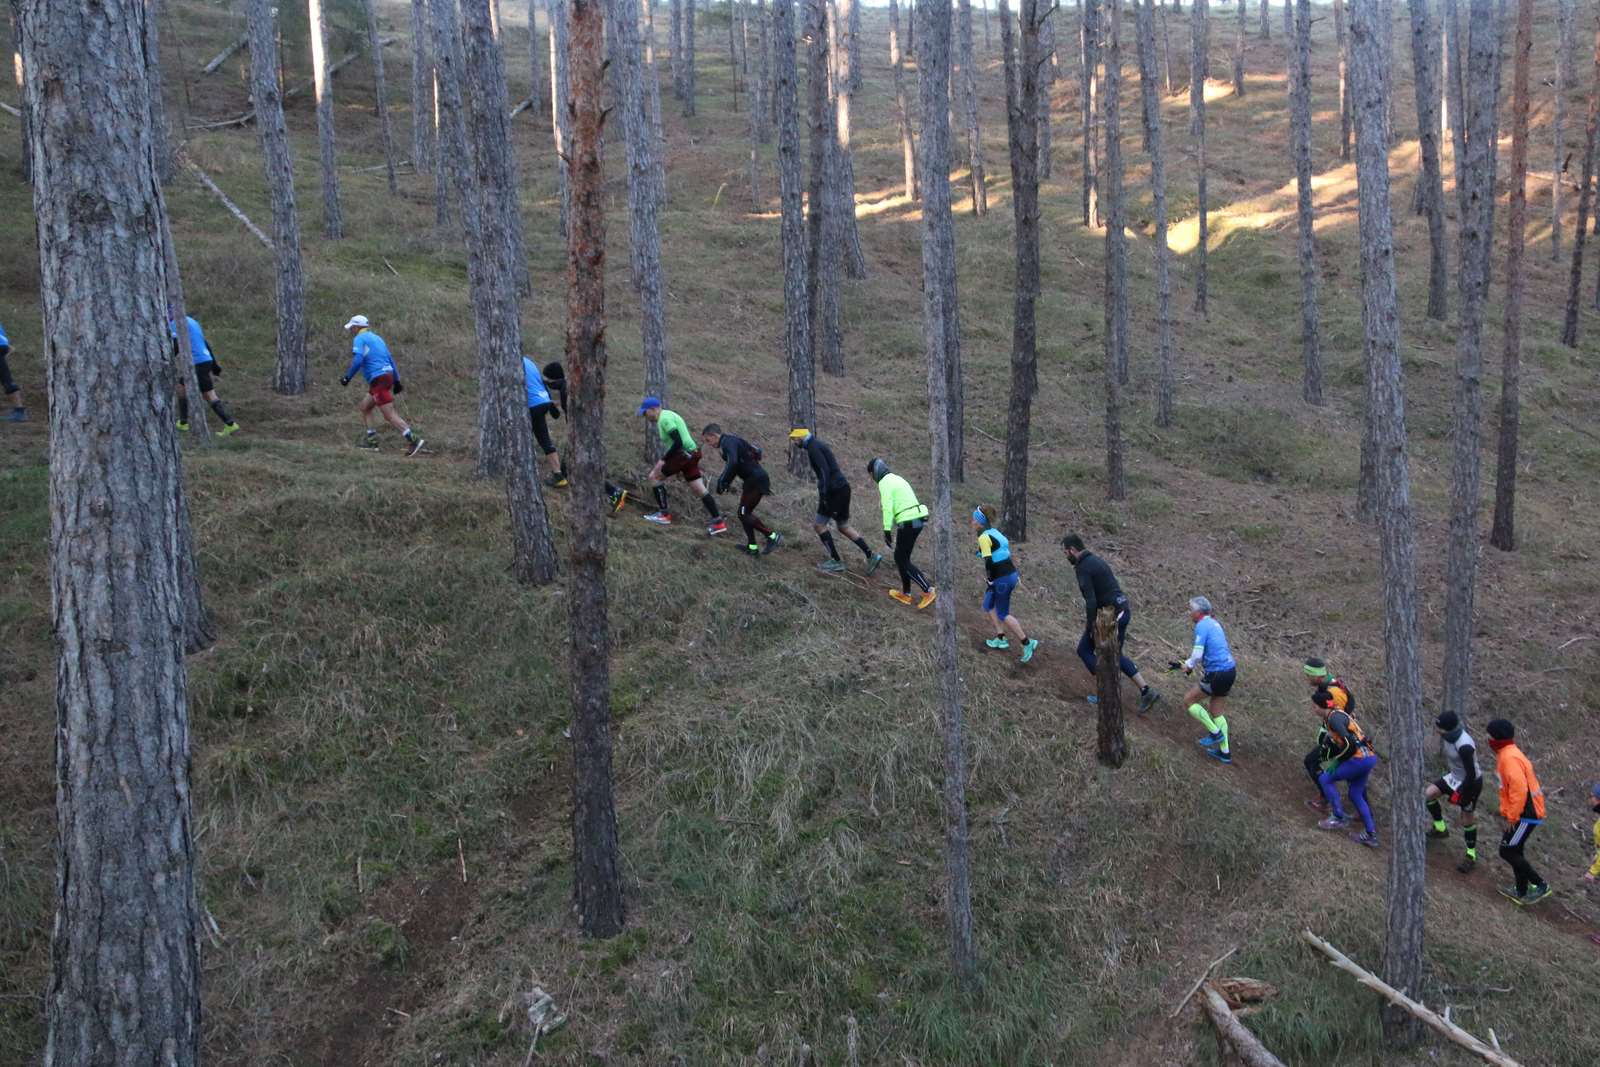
(669, 421)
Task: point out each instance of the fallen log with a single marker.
(305, 86)
(1245, 1045)
(226, 54)
(1417, 1011)
(233, 208)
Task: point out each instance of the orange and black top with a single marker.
(1521, 799)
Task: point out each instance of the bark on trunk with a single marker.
(1200, 46)
(733, 57)
(380, 92)
(1558, 129)
(332, 215)
(855, 47)
(969, 111)
(24, 124)
(796, 306)
(1300, 105)
(1266, 20)
(988, 40)
(908, 144)
(757, 117)
(125, 967)
(1569, 326)
(1343, 45)
(1476, 245)
(1112, 747)
(1397, 533)
(538, 83)
(1503, 533)
(160, 129)
(822, 206)
(597, 865)
(1424, 41)
(938, 245)
(675, 42)
(1238, 52)
(1022, 115)
(1166, 47)
(495, 268)
(1455, 90)
(688, 58)
(289, 376)
(1154, 142)
(422, 121)
(1047, 85)
(762, 103)
(842, 14)
(653, 89)
(1116, 256)
(560, 106)
(1088, 61)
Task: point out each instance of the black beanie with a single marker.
(1447, 721)
(1501, 730)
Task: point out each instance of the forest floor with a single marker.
(382, 792)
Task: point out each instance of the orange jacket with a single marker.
(1520, 795)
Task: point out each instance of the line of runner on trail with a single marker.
(1344, 751)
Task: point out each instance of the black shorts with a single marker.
(541, 431)
(752, 491)
(202, 371)
(1467, 800)
(1217, 683)
(834, 507)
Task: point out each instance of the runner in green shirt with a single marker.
(682, 456)
(903, 520)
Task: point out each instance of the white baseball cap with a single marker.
(357, 320)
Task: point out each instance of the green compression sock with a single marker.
(1471, 834)
(1222, 727)
(1203, 717)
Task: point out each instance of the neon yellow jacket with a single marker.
(899, 502)
(1594, 868)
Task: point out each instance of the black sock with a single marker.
(1143, 689)
(922, 583)
(371, 432)
(826, 537)
(1471, 834)
(222, 412)
(410, 436)
(861, 543)
(1436, 810)
(661, 496)
(612, 491)
(183, 409)
(710, 503)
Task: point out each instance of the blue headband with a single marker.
(978, 517)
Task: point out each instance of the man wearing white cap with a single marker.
(370, 356)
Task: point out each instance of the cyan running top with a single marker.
(370, 356)
(1211, 646)
(4, 340)
(995, 551)
(197, 339)
(534, 380)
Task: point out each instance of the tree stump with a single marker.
(1107, 654)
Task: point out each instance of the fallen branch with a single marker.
(237, 120)
(250, 116)
(1244, 1044)
(224, 55)
(1575, 640)
(233, 209)
(1400, 1000)
(9, 110)
(520, 108)
(1203, 976)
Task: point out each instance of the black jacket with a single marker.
(740, 459)
(1098, 586)
(826, 468)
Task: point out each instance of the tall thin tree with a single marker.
(908, 145)
(597, 864)
(1558, 129)
(125, 963)
(969, 109)
(1022, 62)
(688, 58)
(1047, 84)
(1116, 256)
(653, 90)
(1569, 325)
(380, 91)
(24, 123)
(289, 375)
(160, 129)
(1238, 52)
(1200, 47)
(823, 224)
(844, 52)
(938, 245)
(1155, 144)
(1503, 534)
(1300, 108)
(422, 128)
(538, 83)
(560, 105)
(856, 68)
(1088, 62)
(1397, 532)
(675, 45)
(762, 103)
(1425, 67)
(332, 213)
(796, 304)
(1342, 43)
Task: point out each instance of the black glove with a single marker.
(555, 411)
(1174, 665)
(888, 538)
(216, 368)
(345, 380)
(399, 387)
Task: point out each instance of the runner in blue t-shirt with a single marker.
(541, 405)
(369, 356)
(1215, 660)
(18, 413)
(206, 367)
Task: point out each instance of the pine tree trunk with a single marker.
(969, 109)
(1238, 52)
(25, 125)
(538, 83)
(757, 116)
(160, 129)
(796, 306)
(1455, 90)
(1476, 245)
(908, 146)
(560, 112)
(855, 47)
(1503, 533)
(379, 91)
(125, 966)
(988, 41)
(1154, 142)
(938, 245)
(1300, 106)
(1166, 47)
(1088, 61)
(1569, 326)
(763, 100)
(422, 128)
(733, 58)
(289, 377)
(1266, 20)
(332, 215)
(653, 88)
(844, 49)
(822, 206)
(688, 58)
(1424, 35)
(1558, 171)
(1200, 45)
(675, 43)
(1116, 256)
(1397, 533)
(1047, 85)
(1342, 43)
(1022, 114)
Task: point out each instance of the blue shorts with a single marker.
(997, 598)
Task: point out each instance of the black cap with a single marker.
(1501, 730)
(1447, 721)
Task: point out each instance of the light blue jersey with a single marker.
(1211, 646)
(4, 340)
(537, 393)
(197, 339)
(370, 356)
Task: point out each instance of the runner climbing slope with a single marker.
(682, 457)
(833, 503)
(369, 357)
(742, 460)
(1001, 571)
(1521, 811)
(1460, 785)
(1320, 676)
(18, 412)
(1099, 587)
(1351, 760)
(540, 408)
(1217, 672)
(206, 368)
(903, 520)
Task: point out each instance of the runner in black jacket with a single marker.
(833, 503)
(1100, 589)
(742, 460)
